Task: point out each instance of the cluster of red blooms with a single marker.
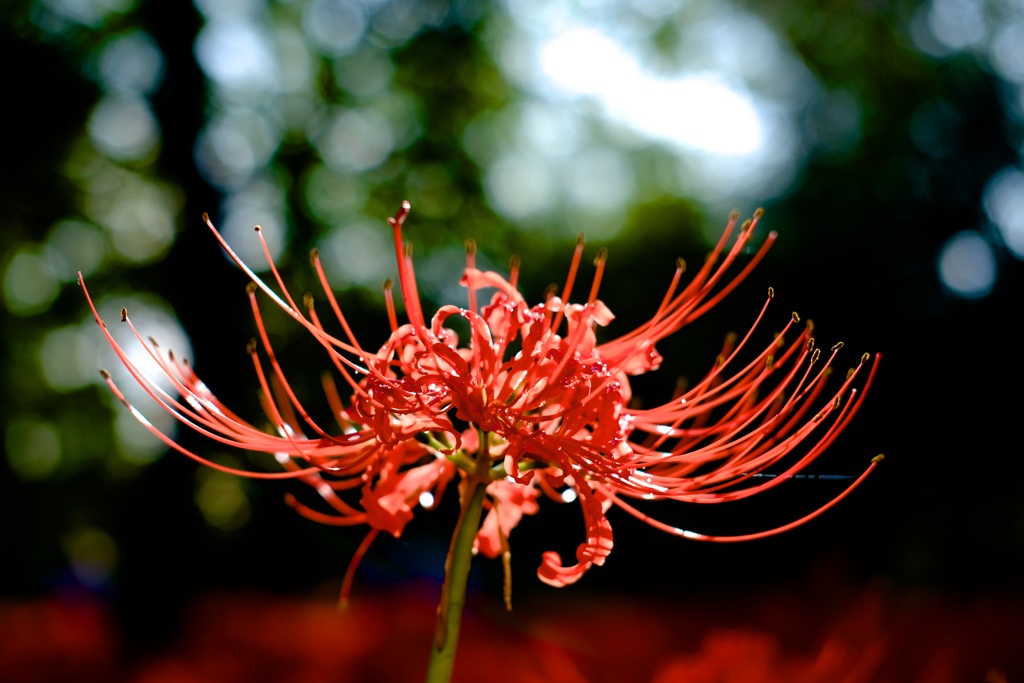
(552, 418)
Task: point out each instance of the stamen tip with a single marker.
(471, 246)
(602, 256)
(837, 346)
(878, 458)
(104, 374)
(758, 213)
(865, 358)
(250, 288)
(307, 300)
(580, 239)
(124, 315)
(250, 346)
(681, 264)
(314, 255)
(388, 284)
(796, 317)
(206, 217)
(734, 214)
(771, 292)
(257, 228)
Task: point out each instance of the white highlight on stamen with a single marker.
(569, 495)
(664, 429)
(426, 499)
(324, 489)
(688, 534)
(282, 458)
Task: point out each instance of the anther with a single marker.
(206, 217)
(250, 288)
(771, 292)
(865, 358)
(734, 214)
(153, 342)
(816, 355)
(307, 300)
(838, 346)
(314, 254)
(471, 246)
(810, 343)
(796, 317)
(602, 256)
(769, 362)
(514, 263)
(124, 315)
(850, 373)
(838, 402)
(758, 213)
(257, 228)
(388, 284)
(408, 249)
(878, 458)
(250, 346)
(580, 239)
(746, 225)
(104, 374)
(681, 264)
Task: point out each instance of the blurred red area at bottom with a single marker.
(869, 636)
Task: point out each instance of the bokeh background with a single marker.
(883, 137)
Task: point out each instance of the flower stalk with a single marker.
(456, 575)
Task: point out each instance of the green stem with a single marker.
(453, 592)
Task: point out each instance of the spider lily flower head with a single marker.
(548, 406)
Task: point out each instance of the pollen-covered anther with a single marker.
(758, 213)
(769, 362)
(810, 343)
(850, 373)
(250, 346)
(471, 246)
(250, 288)
(314, 255)
(878, 458)
(307, 300)
(771, 292)
(815, 355)
(124, 315)
(153, 342)
(257, 228)
(796, 317)
(681, 265)
(104, 374)
(837, 346)
(602, 256)
(865, 358)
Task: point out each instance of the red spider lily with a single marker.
(552, 417)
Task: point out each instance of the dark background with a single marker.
(861, 230)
